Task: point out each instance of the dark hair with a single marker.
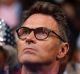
(53, 10)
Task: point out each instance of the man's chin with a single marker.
(34, 67)
(34, 63)
(30, 62)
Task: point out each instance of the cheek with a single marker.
(50, 45)
(48, 48)
(19, 47)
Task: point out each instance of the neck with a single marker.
(40, 68)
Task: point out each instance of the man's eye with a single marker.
(21, 31)
(42, 31)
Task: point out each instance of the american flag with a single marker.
(6, 35)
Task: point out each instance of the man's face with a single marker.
(38, 51)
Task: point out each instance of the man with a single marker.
(42, 39)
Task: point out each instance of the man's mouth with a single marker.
(29, 51)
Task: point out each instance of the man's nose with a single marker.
(30, 38)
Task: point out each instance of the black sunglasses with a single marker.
(40, 33)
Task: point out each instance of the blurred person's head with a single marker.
(59, 1)
(77, 55)
(69, 9)
(7, 2)
(77, 52)
(3, 57)
(7, 44)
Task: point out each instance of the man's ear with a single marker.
(63, 50)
